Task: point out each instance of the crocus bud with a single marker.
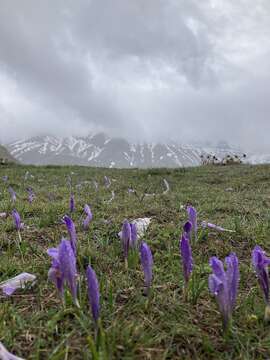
(17, 220)
(72, 203)
(31, 195)
(88, 218)
(192, 215)
(186, 255)
(63, 269)
(224, 285)
(147, 265)
(126, 238)
(260, 263)
(93, 292)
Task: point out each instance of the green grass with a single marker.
(34, 323)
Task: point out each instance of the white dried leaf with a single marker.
(6, 355)
(141, 225)
(167, 186)
(18, 282)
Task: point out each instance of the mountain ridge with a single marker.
(103, 151)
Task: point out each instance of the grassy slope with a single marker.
(33, 322)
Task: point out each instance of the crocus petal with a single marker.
(54, 273)
(224, 285)
(53, 252)
(126, 237)
(56, 277)
(192, 214)
(31, 195)
(218, 268)
(187, 229)
(147, 263)
(88, 218)
(93, 292)
(186, 255)
(72, 203)
(72, 232)
(260, 263)
(67, 266)
(16, 219)
(214, 284)
(233, 277)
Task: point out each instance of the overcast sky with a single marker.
(150, 70)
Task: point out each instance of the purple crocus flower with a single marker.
(31, 195)
(72, 203)
(126, 238)
(186, 255)
(12, 194)
(67, 261)
(260, 263)
(88, 218)
(147, 265)
(63, 269)
(93, 292)
(17, 220)
(5, 178)
(72, 232)
(192, 215)
(224, 285)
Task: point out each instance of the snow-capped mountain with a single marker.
(100, 150)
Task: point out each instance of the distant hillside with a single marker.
(102, 151)
(5, 156)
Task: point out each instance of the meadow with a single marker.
(168, 324)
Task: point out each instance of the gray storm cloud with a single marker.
(148, 70)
